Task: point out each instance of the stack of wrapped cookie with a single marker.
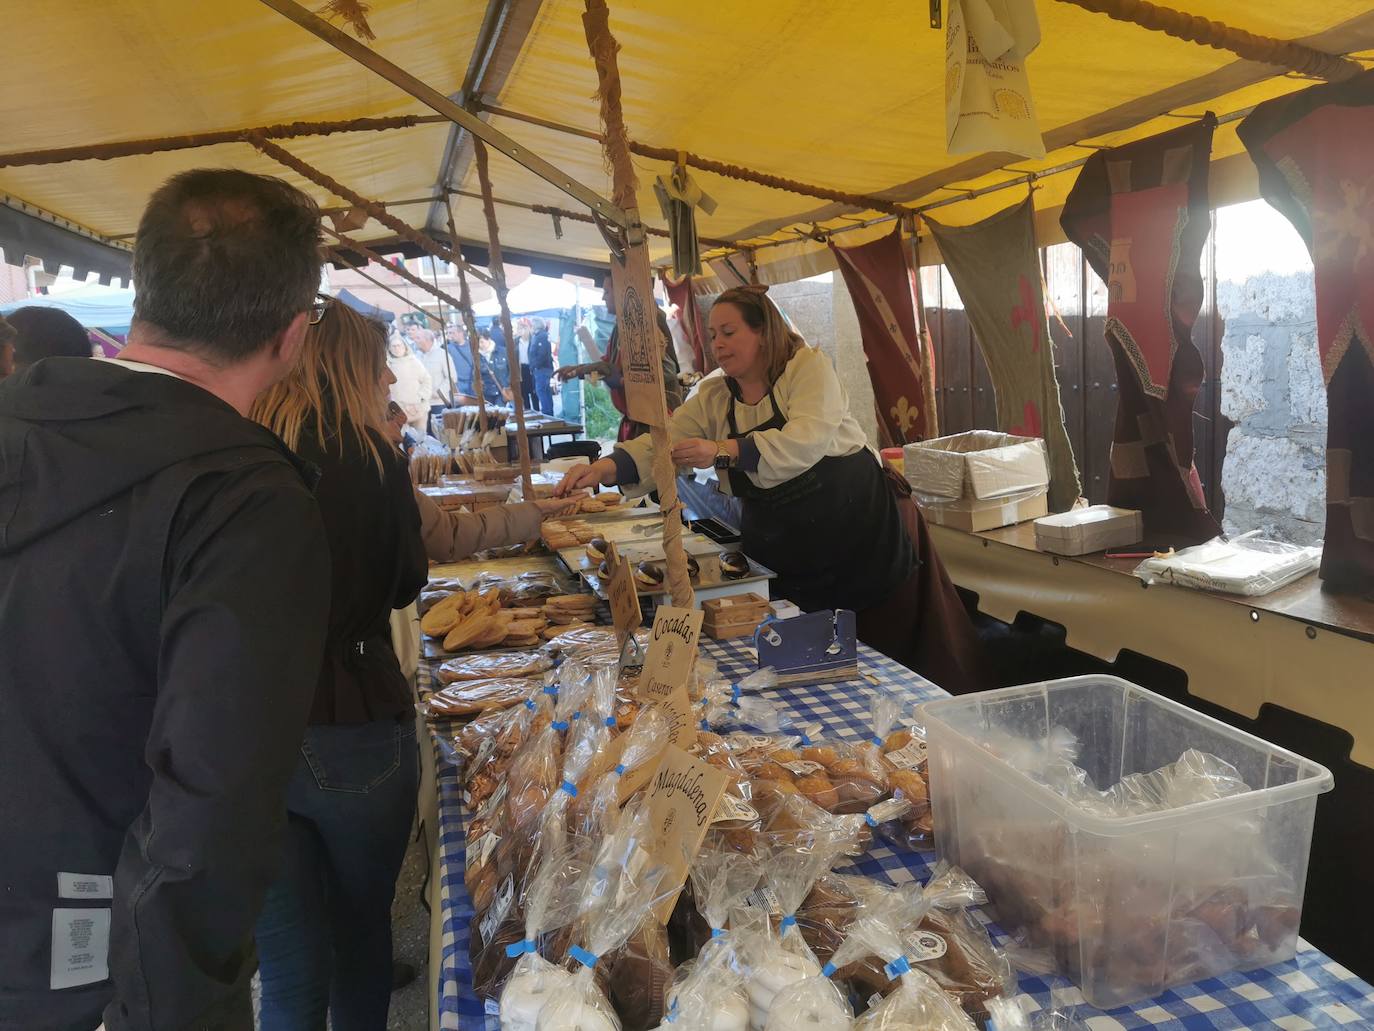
(769, 931)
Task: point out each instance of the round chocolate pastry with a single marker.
(604, 570)
(693, 567)
(596, 549)
(733, 564)
(649, 575)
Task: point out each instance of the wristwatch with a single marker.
(724, 460)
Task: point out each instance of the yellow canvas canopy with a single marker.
(844, 95)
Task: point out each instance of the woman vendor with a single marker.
(818, 506)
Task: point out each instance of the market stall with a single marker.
(1143, 144)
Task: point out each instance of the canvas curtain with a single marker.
(1141, 216)
(879, 283)
(1313, 150)
(996, 270)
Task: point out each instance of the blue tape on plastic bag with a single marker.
(587, 959)
(520, 948)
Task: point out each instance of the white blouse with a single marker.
(809, 396)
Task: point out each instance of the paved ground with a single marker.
(410, 933)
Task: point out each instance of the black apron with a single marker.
(832, 533)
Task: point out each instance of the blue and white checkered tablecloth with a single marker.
(1310, 991)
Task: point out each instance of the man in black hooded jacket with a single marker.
(164, 583)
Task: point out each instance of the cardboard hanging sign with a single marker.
(641, 347)
(988, 103)
(621, 593)
(683, 795)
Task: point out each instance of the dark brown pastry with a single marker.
(649, 575)
(733, 565)
(640, 974)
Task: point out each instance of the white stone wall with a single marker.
(1274, 475)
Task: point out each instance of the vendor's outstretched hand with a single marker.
(568, 372)
(601, 473)
(695, 452)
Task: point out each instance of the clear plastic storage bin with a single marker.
(1125, 906)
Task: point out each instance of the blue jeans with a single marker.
(542, 390)
(324, 936)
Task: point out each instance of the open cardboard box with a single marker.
(978, 465)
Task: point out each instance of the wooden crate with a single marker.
(735, 616)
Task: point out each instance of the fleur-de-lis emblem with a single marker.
(905, 413)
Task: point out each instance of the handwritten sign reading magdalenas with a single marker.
(683, 796)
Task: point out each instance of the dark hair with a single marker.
(224, 260)
(47, 333)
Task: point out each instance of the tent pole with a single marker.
(162, 144)
(470, 321)
(400, 270)
(1246, 45)
(632, 283)
(498, 273)
(338, 256)
(863, 201)
(436, 101)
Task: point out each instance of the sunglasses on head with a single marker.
(317, 309)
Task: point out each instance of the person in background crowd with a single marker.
(144, 757)
(524, 333)
(492, 348)
(46, 333)
(460, 353)
(499, 356)
(324, 937)
(412, 387)
(609, 370)
(7, 335)
(439, 365)
(541, 364)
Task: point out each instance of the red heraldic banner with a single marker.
(880, 285)
(1140, 214)
(1315, 152)
(680, 293)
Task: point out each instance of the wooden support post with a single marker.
(498, 273)
(641, 344)
(470, 321)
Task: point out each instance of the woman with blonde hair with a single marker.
(324, 936)
(817, 505)
(414, 385)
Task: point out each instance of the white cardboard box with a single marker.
(973, 515)
(1081, 531)
(979, 464)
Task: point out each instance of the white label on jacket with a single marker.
(85, 886)
(80, 947)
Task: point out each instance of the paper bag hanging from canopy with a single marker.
(678, 198)
(1141, 216)
(996, 270)
(988, 105)
(879, 284)
(1314, 152)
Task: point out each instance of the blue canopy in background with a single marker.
(96, 307)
